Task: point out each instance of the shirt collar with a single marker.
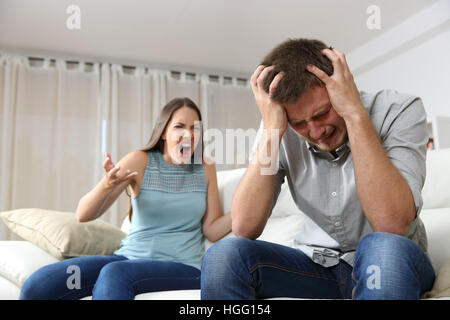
(334, 156)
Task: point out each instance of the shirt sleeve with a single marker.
(405, 145)
(279, 176)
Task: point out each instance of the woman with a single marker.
(174, 203)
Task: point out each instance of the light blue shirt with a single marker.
(167, 214)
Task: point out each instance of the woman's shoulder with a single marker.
(135, 160)
(138, 155)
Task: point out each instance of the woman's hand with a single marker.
(113, 177)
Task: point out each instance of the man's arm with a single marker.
(253, 197)
(385, 196)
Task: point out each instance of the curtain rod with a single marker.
(129, 65)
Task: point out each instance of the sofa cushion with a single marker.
(19, 259)
(165, 295)
(441, 286)
(60, 233)
(435, 192)
(227, 181)
(8, 290)
(437, 226)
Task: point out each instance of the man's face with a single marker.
(313, 117)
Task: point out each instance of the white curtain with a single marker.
(58, 119)
(48, 116)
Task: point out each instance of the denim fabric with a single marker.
(387, 266)
(107, 277)
(391, 267)
(239, 268)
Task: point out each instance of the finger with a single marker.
(341, 55)
(108, 156)
(343, 59)
(113, 172)
(330, 54)
(130, 175)
(107, 164)
(335, 59)
(318, 73)
(263, 75)
(337, 52)
(274, 84)
(255, 75)
(127, 175)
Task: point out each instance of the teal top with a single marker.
(166, 223)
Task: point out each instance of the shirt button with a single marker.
(337, 224)
(334, 193)
(334, 164)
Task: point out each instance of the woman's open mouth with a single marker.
(185, 150)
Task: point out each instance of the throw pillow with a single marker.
(60, 233)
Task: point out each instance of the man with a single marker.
(355, 165)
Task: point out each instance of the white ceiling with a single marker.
(225, 36)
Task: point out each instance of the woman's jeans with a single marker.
(386, 266)
(108, 277)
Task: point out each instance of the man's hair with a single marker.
(291, 57)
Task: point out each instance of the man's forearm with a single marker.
(385, 196)
(252, 199)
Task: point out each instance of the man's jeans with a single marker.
(387, 266)
(107, 277)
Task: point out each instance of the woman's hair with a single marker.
(156, 143)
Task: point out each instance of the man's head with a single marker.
(303, 95)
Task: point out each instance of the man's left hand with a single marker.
(342, 90)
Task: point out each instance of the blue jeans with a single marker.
(387, 266)
(107, 277)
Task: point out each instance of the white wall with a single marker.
(413, 57)
(423, 71)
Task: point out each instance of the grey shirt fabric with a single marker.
(322, 184)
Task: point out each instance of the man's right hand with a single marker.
(272, 112)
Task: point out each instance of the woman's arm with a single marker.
(102, 196)
(215, 225)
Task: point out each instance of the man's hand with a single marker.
(272, 113)
(341, 87)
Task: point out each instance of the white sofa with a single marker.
(18, 259)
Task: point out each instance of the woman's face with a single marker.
(182, 134)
